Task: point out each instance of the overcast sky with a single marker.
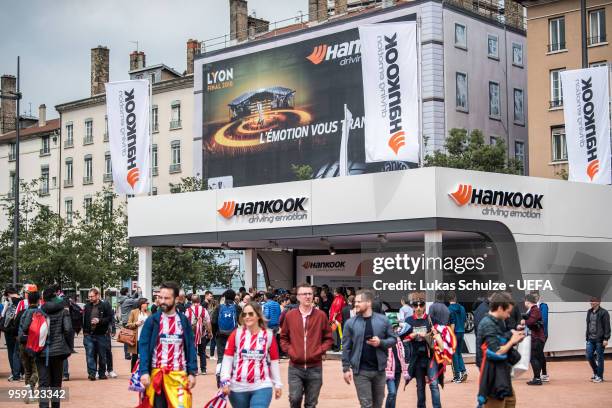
(54, 38)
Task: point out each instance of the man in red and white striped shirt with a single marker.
(200, 323)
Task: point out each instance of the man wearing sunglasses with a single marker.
(305, 338)
(366, 339)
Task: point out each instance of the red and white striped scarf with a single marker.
(169, 351)
(390, 369)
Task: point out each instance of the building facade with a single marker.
(554, 45)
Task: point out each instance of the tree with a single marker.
(470, 152)
(302, 171)
(188, 184)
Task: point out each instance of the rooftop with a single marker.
(32, 131)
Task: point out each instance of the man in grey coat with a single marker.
(366, 339)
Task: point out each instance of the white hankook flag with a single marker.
(127, 106)
(586, 105)
(390, 91)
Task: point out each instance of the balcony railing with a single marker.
(108, 177)
(68, 183)
(105, 137)
(10, 194)
(175, 168)
(155, 127)
(556, 47)
(43, 191)
(175, 124)
(68, 143)
(155, 171)
(44, 152)
(87, 140)
(11, 156)
(87, 180)
(598, 39)
(556, 103)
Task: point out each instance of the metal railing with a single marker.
(68, 143)
(155, 127)
(88, 140)
(556, 47)
(598, 39)
(155, 171)
(87, 180)
(108, 177)
(43, 191)
(555, 103)
(105, 137)
(68, 183)
(45, 152)
(12, 156)
(175, 168)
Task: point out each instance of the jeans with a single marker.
(458, 365)
(544, 371)
(28, 363)
(66, 371)
(592, 348)
(95, 349)
(125, 352)
(537, 357)
(370, 386)
(392, 387)
(12, 351)
(202, 353)
(109, 354)
(49, 376)
(251, 399)
(304, 383)
(420, 374)
(213, 344)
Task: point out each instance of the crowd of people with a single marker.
(249, 332)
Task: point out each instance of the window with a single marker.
(559, 146)
(68, 207)
(155, 119)
(519, 108)
(12, 151)
(519, 154)
(556, 92)
(87, 206)
(108, 204)
(11, 192)
(460, 36)
(88, 132)
(108, 167)
(492, 49)
(105, 128)
(69, 142)
(556, 40)
(175, 116)
(597, 26)
(44, 180)
(154, 190)
(69, 173)
(598, 64)
(461, 90)
(517, 54)
(88, 177)
(494, 101)
(493, 140)
(45, 147)
(154, 160)
(175, 154)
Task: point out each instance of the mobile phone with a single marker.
(368, 338)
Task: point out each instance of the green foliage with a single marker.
(302, 171)
(188, 184)
(470, 152)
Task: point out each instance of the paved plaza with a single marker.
(569, 387)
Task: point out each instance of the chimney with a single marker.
(257, 25)
(238, 20)
(193, 48)
(317, 10)
(8, 107)
(340, 7)
(42, 115)
(99, 69)
(137, 60)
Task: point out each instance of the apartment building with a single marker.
(85, 151)
(554, 45)
(39, 151)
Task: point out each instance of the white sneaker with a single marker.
(112, 374)
(597, 379)
(545, 378)
(213, 357)
(593, 377)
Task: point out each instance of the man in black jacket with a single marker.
(97, 318)
(597, 336)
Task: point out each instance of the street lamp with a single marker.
(16, 96)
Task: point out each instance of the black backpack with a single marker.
(76, 315)
(8, 323)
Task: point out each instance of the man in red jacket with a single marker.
(305, 337)
(533, 321)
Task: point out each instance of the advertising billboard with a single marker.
(277, 114)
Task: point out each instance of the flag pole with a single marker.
(150, 136)
(420, 95)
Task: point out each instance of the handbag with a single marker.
(127, 336)
(524, 348)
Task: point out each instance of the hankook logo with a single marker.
(466, 194)
(588, 119)
(133, 173)
(230, 209)
(348, 52)
(324, 265)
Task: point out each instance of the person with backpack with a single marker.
(51, 345)
(250, 372)
(225, 320)
(544, 311)
(28, 362)
(9, 326)
(457, 323)
(200, 324)
(533, 320)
